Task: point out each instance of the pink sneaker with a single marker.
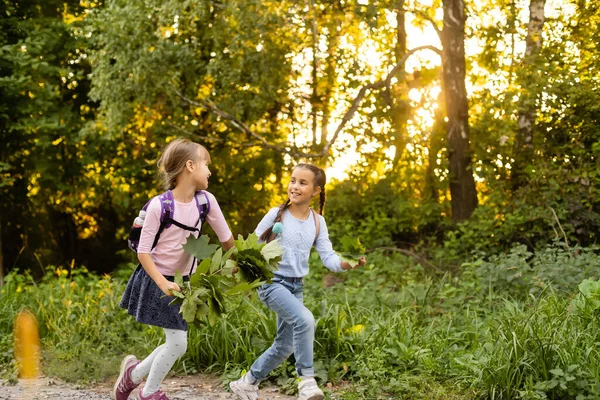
(124, 385)
(154, 396)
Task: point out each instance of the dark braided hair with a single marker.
(267, 234)
(319, 181)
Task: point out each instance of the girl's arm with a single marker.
(149, 231)
(229, 243)
(165, 285)
(329, 257)
(323, 245)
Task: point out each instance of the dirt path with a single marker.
(195, 387)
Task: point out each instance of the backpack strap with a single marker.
(167, 208)
(203, 205)
(317, 224)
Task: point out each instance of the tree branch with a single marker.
(374, 86)
(211, 106)
(419, 257)
(188, 133)
(383, 83)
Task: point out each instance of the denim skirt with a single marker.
(144, 300)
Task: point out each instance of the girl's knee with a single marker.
(306, 321)
(283, 345)
(177, 342)
(284, 351)
(179, 348)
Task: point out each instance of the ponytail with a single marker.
(266, 236)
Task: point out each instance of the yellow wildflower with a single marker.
(356, 329)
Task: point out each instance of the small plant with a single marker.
(590, 289)
(587, 301)
(352, 250)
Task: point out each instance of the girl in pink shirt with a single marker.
(184, 167)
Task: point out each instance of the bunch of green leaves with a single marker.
(202, 298)
(352, 250)
(257, 261)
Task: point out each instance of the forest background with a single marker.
(462, 139)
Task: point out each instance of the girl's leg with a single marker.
(295, 330)
(143, 368)
(305, 340)
(280, 350)
(174, 347)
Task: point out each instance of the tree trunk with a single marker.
(523, 154)
(462, 183)
(314, 98)
(400, 110)
(330, 76)
(436, 143)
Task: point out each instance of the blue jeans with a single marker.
(295, 328)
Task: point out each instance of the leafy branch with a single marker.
(240, 125)
(352, 250)
(203, 296)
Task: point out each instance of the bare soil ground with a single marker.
(193, 387)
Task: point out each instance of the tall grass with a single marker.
(83, 331)
(390, 329)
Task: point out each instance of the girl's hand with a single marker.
(346, 266)
(167, 287)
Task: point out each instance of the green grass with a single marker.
(391, 330)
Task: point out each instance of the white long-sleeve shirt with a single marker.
(297, 239)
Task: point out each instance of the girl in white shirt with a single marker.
(295, 322)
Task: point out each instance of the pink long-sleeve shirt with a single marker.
(168, 255)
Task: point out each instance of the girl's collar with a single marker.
(305, 214)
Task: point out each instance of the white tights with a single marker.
(158, 364)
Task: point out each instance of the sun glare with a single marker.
(375, 60)
(346, 154)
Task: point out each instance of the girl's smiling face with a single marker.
(301, 188)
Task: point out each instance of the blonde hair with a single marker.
(173, 159)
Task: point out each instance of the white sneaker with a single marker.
(244, 390)
(309, 390)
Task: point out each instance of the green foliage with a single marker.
(234, 56)
(203, 296)
(352, 250)
(380, 213)
(257, 261)
(521, 272)
(93, 91)
(391, 329)
(590, 290)
(587, 301)
(199, 248)
(82, 328)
